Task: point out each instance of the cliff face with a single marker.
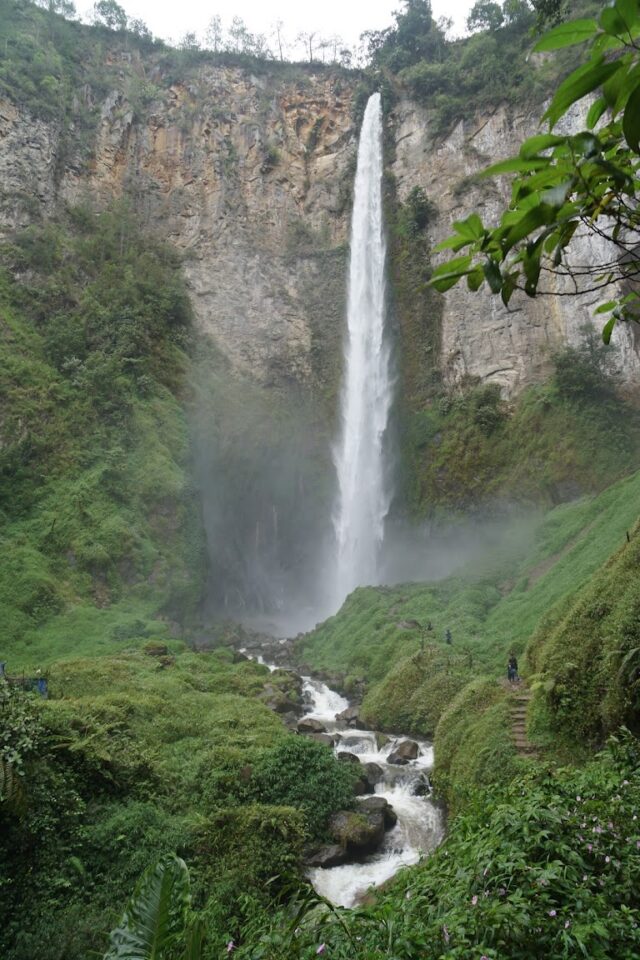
(479, 337)
(249, 176)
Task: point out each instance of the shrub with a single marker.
(301, 773)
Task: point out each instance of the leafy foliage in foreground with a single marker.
(548, 867)
(568, 181)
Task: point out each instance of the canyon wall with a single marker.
(479, 337)
(250, 176)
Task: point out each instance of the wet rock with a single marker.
(350, 717)
(422, 787)
(405, 751)
(359, 832)
(381, 740)
(278, 701)
(372, 773)
(378, 805)
(290, 719)
(309, 725)
(332, 855)
(360, 787)
(347, 757)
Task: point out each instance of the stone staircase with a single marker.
(520, 703)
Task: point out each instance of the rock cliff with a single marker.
(479, 337)
(250, 176)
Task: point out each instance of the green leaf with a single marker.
(611, 22)
(493, 276)
(595, 112)
(631, 121)
(475, 278)
(468, 230)
(156, 916)
(605, 307)
(538, 216)
(516, 165)
(567, 35)
(628, 11)
(577, 85)
(531, 147)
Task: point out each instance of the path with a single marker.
(520, 702)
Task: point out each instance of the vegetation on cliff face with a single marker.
(94, 494)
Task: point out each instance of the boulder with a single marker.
(422, 787)
(309, 725)
(378, 805)
(381, 740)
(331, 855)
(350, 717)
(359, 832)
(372, 773)
(347, 757)
(405, 751)
(278, 701)
(360, 787)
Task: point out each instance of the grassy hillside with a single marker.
(493, 605)
(141, 753)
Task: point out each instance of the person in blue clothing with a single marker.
(512, 669)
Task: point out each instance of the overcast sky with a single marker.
(346, 18)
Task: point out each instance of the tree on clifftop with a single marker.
(587, 182)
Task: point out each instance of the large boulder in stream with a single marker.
(350, 717)
(331, 855)
(345, 757)
(359, 832)
(404, 752)
(309, 725)
(278, 700)
(372, 773)
(370, 805)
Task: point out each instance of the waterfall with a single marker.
(363, 493)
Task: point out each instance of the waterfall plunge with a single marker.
(363, 493)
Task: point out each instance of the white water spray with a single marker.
(363, 493)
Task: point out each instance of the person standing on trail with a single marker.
(512, 669)
(447, 637)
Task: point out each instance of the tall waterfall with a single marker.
(363, 493)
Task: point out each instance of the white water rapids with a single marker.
(420, 826)
(363, 492)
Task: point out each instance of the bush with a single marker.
(301, 773)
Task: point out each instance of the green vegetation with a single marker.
(570, 436)
(459, 78)
(94, 495)
(492, 605)
(138, 755)
(546, 867)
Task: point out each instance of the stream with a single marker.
(420, 826)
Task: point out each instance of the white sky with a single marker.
(347, 18)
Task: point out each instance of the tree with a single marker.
(307, 38)
(567, 185)
(485, 15)
(215, 33)
(278, 35)
(110, 14)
